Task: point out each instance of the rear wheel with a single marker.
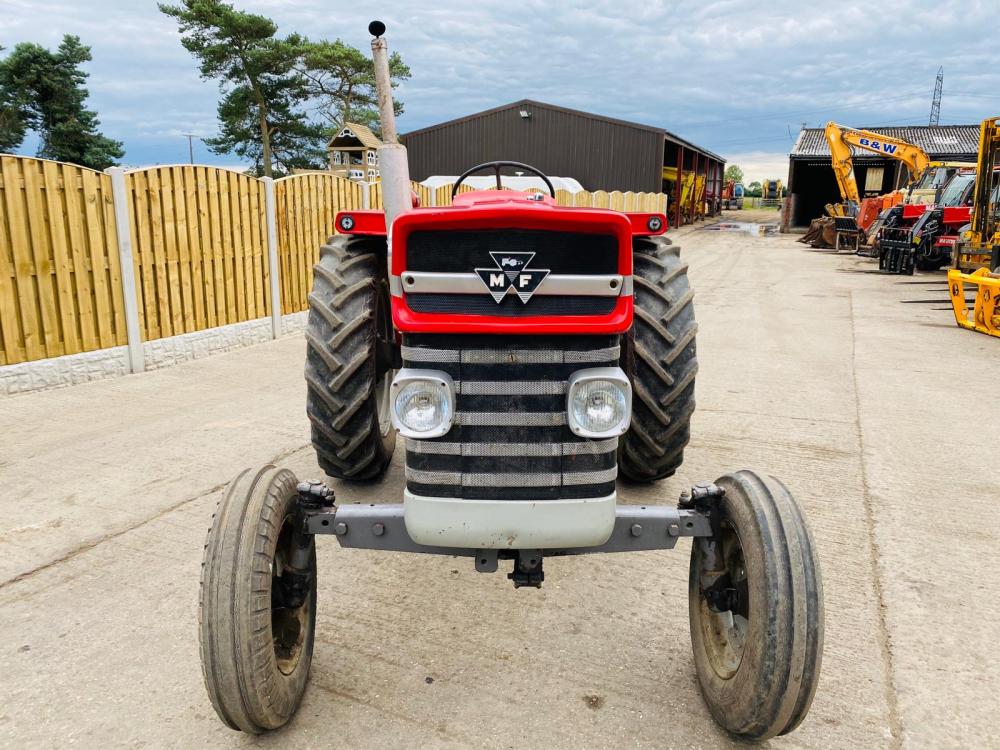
(256, 614)
(349, 359)
(661, 362)
(756, 609)
(932, 263)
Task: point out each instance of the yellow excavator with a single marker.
(841, 139)
(983, 242)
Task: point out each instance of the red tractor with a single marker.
(525, 356)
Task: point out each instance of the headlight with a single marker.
(599, 402)
(423, 403)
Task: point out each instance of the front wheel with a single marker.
(756, 609)
(257, 612)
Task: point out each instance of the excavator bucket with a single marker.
(985, 314)
(821, 233)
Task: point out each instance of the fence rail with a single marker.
(191, 249)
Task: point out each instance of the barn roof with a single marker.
(939, 141)
(579, 113)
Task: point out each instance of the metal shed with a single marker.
(812, 184)
(602, 153)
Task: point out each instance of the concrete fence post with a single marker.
(366, 201)
(433, 197)
(130, 293)
(271, 215)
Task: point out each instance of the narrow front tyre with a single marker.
(756, 609)
(257, 611)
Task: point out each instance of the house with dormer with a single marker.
(353, 153)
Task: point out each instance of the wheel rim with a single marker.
(289, 625)
(385, 334)
(724, 604)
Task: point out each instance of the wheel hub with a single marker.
(725, 600)
(290, 604)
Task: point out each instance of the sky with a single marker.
(738, 78)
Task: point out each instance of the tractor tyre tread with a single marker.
(776, 680)
(664, 363)
(342, 399)
(245, 686)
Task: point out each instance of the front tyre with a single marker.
(756, 609)
(662, 363)
(256, 614)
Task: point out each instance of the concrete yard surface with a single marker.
(856, 389)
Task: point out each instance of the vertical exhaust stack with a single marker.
(396, 192)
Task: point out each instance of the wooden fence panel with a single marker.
(442, 195)
(307, 206)
(375, 196)
(199, 246)
(424, 193)
(60, 283)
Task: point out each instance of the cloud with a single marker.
(738, 78)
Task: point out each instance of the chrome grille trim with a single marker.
(606, 285)
(509, 356)
(588, 448)
(536, 479)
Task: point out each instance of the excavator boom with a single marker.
(843, 167)
(841, 139)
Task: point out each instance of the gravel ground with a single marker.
(868, 401)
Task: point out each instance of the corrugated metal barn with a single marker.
(812, 184)
(602, 153)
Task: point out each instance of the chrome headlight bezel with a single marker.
(440, 383)
(613, 375)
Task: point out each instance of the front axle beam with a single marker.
(381, 527)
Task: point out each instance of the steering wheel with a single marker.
(496, 166)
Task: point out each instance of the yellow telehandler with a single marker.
(982, 245)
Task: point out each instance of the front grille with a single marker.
(559, 253)
(510, 440)
(447, 251)
(510, 306)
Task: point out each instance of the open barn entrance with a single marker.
(813, 185)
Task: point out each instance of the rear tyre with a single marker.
(661, 363)
(348, 364)
(756, 610)
(931, 264)
(256, 640)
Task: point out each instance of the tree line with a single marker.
(282, 96)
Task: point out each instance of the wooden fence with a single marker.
(307, 205)
(60, 282)
(196, 244)
(199, 246)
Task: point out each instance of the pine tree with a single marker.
(44, 92)
(261, 115)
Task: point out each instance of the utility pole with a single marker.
(190, 137)
(936, 101)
